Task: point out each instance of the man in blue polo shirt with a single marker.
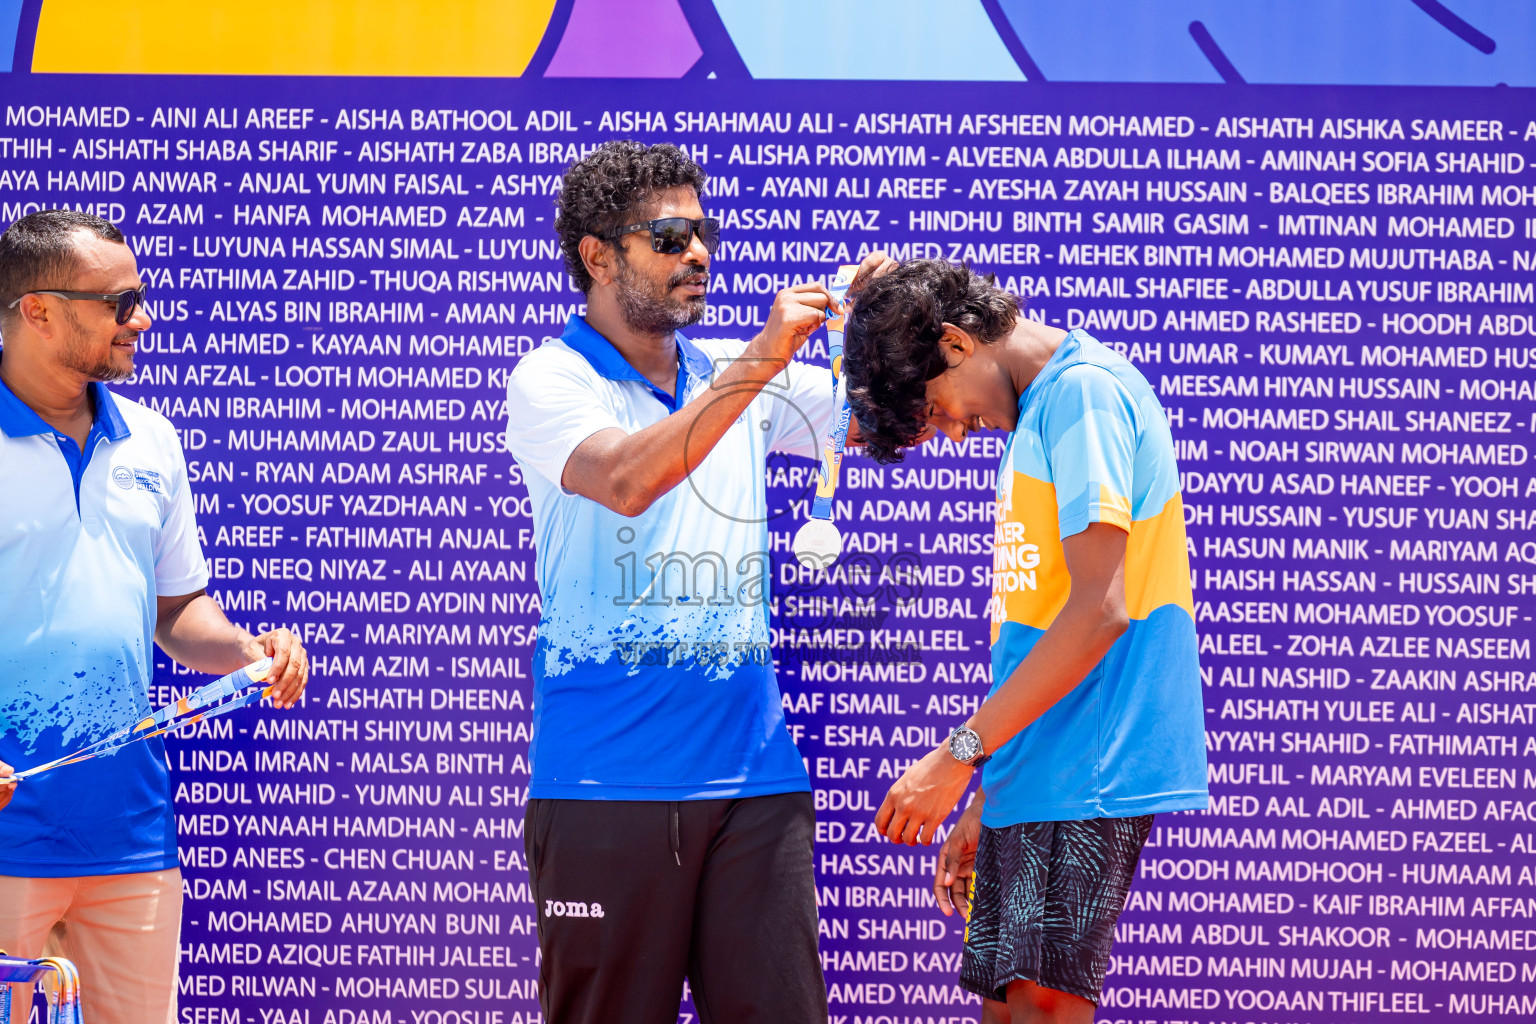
(99, 560)
(670, 823)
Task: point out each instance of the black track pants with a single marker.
(633, 896)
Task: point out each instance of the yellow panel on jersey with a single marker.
(1157, 563)
(1114, 508)
(1029, 575)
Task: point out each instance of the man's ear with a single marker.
(956, 345)
(599, 257)
(33, 311)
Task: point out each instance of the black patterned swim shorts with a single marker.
(1045, 898)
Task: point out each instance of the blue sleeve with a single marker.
(1090, 429)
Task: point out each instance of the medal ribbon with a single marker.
(241, 688)
(63, 986)
(837, 433)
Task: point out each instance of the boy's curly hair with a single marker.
(891, 346)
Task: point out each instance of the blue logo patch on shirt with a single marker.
(147, 480)
(123, 477)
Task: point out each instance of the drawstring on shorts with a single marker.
(676, 845)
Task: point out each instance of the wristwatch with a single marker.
(965, 747)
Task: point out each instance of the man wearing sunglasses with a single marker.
(670, 820)
(99, 560)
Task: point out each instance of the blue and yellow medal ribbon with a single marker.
(837, 434)
(241, 688)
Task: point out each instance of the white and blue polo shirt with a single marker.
(88, 539)
(653, 679)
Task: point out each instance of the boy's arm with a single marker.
(1090, 621)
(957, 860)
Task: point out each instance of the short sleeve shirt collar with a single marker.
(582, 338)
(1053, 366)
(18, 420)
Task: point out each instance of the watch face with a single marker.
(964, 745)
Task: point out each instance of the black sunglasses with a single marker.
(127, 300)
(672, 235)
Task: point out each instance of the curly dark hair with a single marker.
(39, 251)
(891, 346)
(609, 186)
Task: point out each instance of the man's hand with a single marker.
(876, 264)
(795, 314)
(957, 860)
(922, 798)
(192, 629)
(7, 787)
(290, 665)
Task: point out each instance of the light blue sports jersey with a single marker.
(653, 679)
(1092, 445)
(88, 539)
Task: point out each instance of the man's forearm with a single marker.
(198, 635)
(650, 462)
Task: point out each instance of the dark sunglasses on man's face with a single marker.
(127, 300)
(672, 235)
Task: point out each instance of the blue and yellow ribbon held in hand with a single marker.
(241, 688)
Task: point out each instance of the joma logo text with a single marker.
(572, 908)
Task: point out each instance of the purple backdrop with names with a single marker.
(1330, 289)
